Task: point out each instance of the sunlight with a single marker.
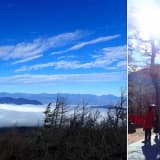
(148, 21)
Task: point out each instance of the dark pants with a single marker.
(147, 134)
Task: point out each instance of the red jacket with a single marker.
(148, 121)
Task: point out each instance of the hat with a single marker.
(152, 105)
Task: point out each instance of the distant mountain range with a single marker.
(71, 99)
(18, 101)
(108, 107)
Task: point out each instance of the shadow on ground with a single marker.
(152, 152)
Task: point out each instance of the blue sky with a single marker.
(63, 46)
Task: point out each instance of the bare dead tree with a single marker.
(48, 116)
(59, 112)
(150, 51)
(84, 113)
(120, 113)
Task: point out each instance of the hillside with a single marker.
(18, 101)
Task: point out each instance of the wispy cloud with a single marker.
(62, 78)
(27, 59)
(102, 60)
(122, 64)
(67, 57)
(86, 43)
(57, 65)
(23, 50)
(116, 52)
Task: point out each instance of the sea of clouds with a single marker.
(28, 115)
(21, 115)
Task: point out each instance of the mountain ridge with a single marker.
(18, 101)
(77, 99)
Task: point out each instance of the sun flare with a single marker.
(148, 21)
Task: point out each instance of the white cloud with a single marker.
(24, 50)
(117, 52)
(13, 115)
(67, 57)
(102, 60)
(86, 43)
(4, 50)
(61, 78)
(122, 64)
(27, 59)
(23, 108)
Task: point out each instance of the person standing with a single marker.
(156, 126)
(148, 124)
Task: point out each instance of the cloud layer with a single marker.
(42, 61)
(86, 43)
(102, 60)
(25, 51)
(61, 78)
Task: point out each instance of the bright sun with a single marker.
(148, 21)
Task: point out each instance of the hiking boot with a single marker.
(144, 141)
